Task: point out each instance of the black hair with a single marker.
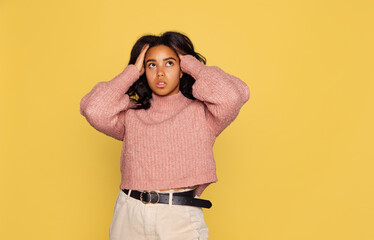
(140, 92)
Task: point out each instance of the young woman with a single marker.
(167, 107)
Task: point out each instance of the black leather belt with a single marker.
(179, 198)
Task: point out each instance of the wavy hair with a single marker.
(140, 92)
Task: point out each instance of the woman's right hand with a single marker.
(140, 60)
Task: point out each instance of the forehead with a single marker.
(160, 51)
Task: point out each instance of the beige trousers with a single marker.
(134, 220)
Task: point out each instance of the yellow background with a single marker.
(296, 164)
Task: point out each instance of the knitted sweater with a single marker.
(169, 145)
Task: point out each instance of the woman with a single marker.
(168, 108)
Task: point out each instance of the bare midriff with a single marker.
(176, 189)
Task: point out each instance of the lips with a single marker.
(161, 84)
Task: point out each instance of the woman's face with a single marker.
(162, 70)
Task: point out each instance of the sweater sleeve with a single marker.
(105, 105)
(222, 94)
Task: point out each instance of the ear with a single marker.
(180, 75)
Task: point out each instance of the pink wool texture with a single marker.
(169, 145)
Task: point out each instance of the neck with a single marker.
(169, 103)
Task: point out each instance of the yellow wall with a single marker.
(296, 164)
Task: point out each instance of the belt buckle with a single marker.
(150, 197)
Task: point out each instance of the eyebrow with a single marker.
(165, 59)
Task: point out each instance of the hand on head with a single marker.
(140, 60)
(180, 56)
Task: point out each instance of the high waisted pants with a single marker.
(134, 220)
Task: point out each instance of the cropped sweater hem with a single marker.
(202, 182)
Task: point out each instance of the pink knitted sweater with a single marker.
(169, 145)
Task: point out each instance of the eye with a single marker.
(151, 65)
(169, 63)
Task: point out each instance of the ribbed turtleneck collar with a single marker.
(168, 103)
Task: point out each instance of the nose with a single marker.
(160, 73)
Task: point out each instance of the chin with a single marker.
(161, 93)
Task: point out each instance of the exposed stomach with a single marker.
(176, 189)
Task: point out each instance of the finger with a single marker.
(139, 63)
(144, 49)
(142, 53)
(180, 56)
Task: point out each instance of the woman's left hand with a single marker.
(180, 56)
